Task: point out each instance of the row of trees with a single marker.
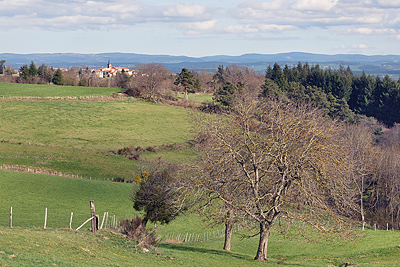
(43, 74)
(153, 81)
(340, 92)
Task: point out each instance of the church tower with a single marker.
(109, 65)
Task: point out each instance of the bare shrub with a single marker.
(150, 149)
(133, 228)
(211, 108)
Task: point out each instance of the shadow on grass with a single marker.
(188, 248)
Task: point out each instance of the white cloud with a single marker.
(275, 28)
(185, 10)
(270, 5)
(360, 17)
(389, 3)
(239, 29)
(373, 31)
(198, 27)
(314, 5)
(261, 28)
(353, 47)
(359, 46)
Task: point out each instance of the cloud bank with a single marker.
(361, 17)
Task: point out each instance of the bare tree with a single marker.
(149, 79)
(362, 156)
(283, 161)
(204, 77)
(233, 81)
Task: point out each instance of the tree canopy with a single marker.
(273, 159)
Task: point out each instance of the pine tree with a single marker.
(58, 77)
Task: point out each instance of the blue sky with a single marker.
(200, 28)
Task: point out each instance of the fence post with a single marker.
(11, 218)
(45, 219)
(102, 222)
(70, 220)
(106, 221)
(92, 214)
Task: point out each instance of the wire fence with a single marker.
(197, 237)
(19, 168)
(79, 221)
(114, 97)
(53, 219)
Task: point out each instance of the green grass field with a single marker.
(93, 125)
(41, 90)
(30, 194)
(69, 248)
(73, 136)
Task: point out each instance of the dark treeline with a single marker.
(340, 92)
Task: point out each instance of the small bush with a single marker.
(170, 147)
(133, 157)
(150, 149)
(211, 108)
(133, 92)
(133, 228)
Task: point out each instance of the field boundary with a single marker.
(114, 97)
(107, 222)
(34, 170)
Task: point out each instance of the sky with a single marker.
(200, 28)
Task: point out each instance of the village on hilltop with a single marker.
(110, 71)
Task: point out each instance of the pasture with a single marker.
(74, 136)
(42, 90)
(60, 247)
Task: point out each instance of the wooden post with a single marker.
(92, 214)
(70, 220)
(106, 221)
(102, 222)
(45, 219)
(11, 218)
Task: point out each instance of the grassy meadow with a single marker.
(74, 136)
(93, 125)
(30, 194)
(42, 90)
(61, 247)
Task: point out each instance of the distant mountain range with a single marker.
(377, 64)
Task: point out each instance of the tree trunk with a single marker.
(362, 203)
(228, 230)
(263, 244)
(144, 222)
(186, 98)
